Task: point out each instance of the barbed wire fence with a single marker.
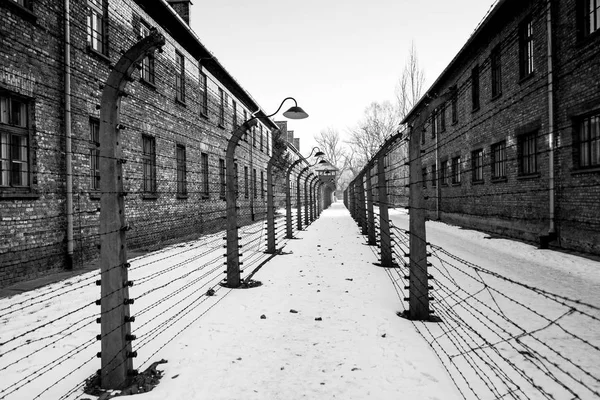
(496, 336)
(52, 338)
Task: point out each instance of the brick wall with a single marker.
(34, 223)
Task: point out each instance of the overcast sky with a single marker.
(334, 57)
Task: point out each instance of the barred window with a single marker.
(96, 25)
(456, 170)
(454, 105)
(203, 94)
(14, 142)
(477, 165)
(147, 73)
(179, 77)
(246, 189)
(424, 172)
(475, 87)
(499, 160)
(181, 170)
(526, 47)
(205, 181)
(591, 16)
(221, 107)
(496, 62)
(222, 179)
(444, 172)
(589, 141)
(149, 163)
(528, 154)
(254, 188)
(94, 154)
(433, 175)
(262, 184)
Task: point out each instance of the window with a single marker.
(94, 154)
(499, 160)
(496, 72)
(221, 107)
(442, 117)
(205, 183)
(477, 165)
(526, 48)
(589, 141)
(246, 189)
(528, 153)
(433, 175)
(181, 170)
(149, 163)
(475, 87)
(590, 15)
(254, 136)
(179, 77)
(236, 181)
(262, 184)
(261, 138)
(444, 172)
(22, 3)
(96, 26)
(245, 130)
(147, 73)
(424, 172)
(203, 94)
(254, 188)
(234, 119)
(456, 170)
(434, 125)
(14, 142)
(222, 181)
(454, 106)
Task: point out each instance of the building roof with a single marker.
(483, 26)
(174, 25)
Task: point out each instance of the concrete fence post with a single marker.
(115, 320)
(370, 211)
(384, 219)
(271, 242)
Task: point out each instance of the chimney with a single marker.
(182, 7)
(297, 143)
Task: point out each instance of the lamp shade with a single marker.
(295, 113)
(319, 154)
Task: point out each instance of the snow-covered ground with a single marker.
(518, 322)
(503, 333)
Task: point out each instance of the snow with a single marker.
(497, 338)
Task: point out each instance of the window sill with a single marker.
(528, 176)
(149, 196)
(97, 54)
(182, 196)
(205, 197)
(95, 195)
(500, 180)
(456, 183)
(180, 102)
(148, 83)
(496, 97)
(526, 77)
(204, 114)
(24, 12)
(221, 125)
(19, 196)
(583, 171)
(474, 110)
(477, 183)
(222, 198)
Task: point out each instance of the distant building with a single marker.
(181, 109)
(516, 148)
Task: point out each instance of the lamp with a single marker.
(294, 112)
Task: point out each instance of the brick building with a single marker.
(181, 108)
(515, 149)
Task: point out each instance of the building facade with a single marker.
(515, 147)
(176, 120)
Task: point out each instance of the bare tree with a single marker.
(329, 143)
(380, 121)
(410, 85)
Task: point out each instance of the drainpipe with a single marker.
(69, 167)
(551, 191)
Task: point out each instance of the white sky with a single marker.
(333, 57)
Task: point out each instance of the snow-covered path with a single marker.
(359, 349)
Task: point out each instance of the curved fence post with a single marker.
(384, 218)
(115, 321)
(271, 243)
